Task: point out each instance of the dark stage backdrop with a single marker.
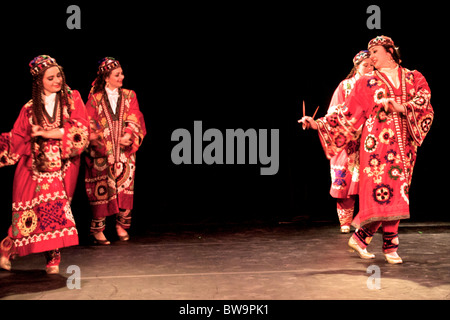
(230, 66)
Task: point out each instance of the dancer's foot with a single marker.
(363, 254)
(5, 263)
(100, 239)
(393, 258)
(122, 233)
(345, 229)
(53, 260)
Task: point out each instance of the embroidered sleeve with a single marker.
(16, 143)
(339, 128)
(76, 129)
(419, 112)
(135, 124)
(7, 158)
(336, 131)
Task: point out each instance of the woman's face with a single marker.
(365, 67)
(115, 79)
(380, 57)
(52, 80)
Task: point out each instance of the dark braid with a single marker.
(100, 81)
(64, 95)
(38, 91)
(38, 104)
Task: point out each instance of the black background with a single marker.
(230, 66)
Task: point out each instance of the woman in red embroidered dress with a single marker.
(117, 132)
(45, 143)
(393, 106)
(344, 166)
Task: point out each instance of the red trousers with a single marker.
(390, 234)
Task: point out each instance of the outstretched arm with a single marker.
(308, 123)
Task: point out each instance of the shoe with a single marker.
(345, 229)
(363, 254)
(125, 237)
(6, 253)
(99, 242)
(5, 263)
(393, 258)
(53, 260)
(102, 242)
(52, 270)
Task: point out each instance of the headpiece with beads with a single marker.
(360, 56)
(381, 41)
(107, 64)
(41, 63)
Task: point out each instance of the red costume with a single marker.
(45, 175)
(389, 141)
(110, 167)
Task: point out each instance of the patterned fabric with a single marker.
(390, 242)
(360, 56)
(380, 41)
(45, 178)
(124, 219)
(389, 141)
(98, 225)
(110, 168)
(107, 64)
(363, 236)
(345, 210)
(344, 166)
(40, 63)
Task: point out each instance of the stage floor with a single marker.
(241, 262)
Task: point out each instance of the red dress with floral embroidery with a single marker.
(389, 141)
(110, 168)
(45, 177)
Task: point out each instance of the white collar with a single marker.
(113, 97)
(50, 99)
(110, 92)
(389, 70)
(49, 103)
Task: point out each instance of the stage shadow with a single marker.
(422, 273)
(29, 281)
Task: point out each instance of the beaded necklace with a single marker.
(116, 127)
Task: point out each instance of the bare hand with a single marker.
(126, 141)
(36, 131)
(308, 123)
(390, 105)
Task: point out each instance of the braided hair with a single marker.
(100, 82)
(38, 91)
